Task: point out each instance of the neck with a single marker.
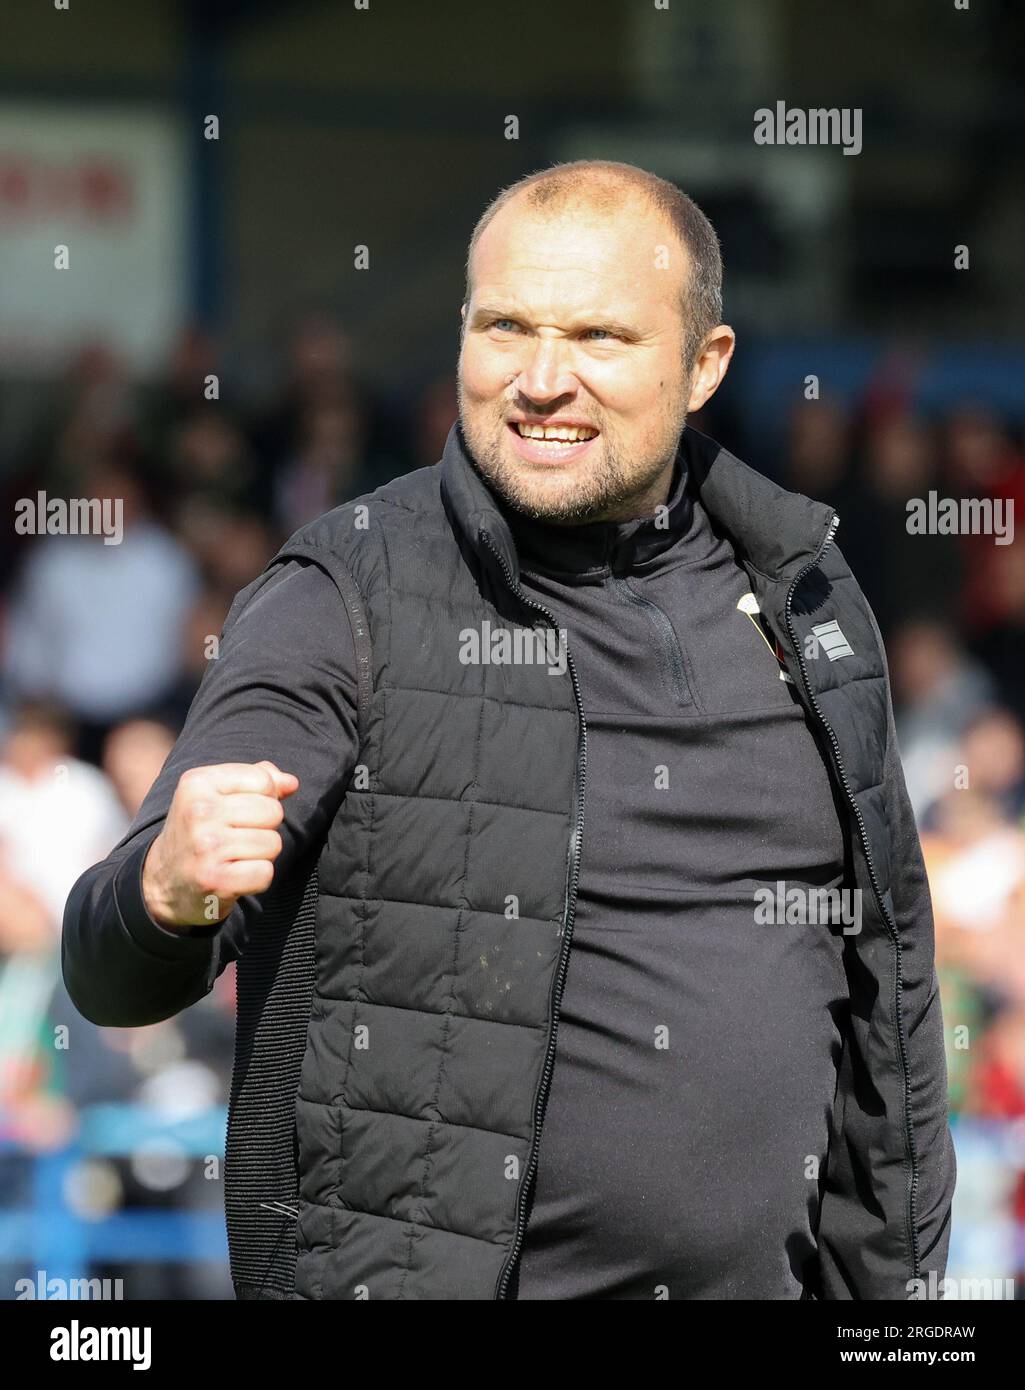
(590, 548)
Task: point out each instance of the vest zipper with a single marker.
(910, 1221)
(664, 628)
(569, 908)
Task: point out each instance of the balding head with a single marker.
(601, 188)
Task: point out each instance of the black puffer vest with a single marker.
(398, 1011)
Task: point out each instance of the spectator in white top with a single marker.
(96, 626)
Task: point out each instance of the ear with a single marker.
(712, 363)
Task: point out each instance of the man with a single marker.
(484, 791)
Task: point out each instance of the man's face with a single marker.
(572, 322)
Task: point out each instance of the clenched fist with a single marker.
(219, 841)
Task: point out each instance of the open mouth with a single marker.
(543, 442)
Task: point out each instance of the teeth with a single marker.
(565, 434)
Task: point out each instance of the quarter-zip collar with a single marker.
(776, 532)
(590, 551)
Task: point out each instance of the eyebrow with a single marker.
(499, 311)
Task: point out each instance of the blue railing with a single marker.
(49, 1231)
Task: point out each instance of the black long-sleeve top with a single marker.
(704, 784)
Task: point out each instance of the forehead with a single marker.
(628, 257)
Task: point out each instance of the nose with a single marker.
(546, 373)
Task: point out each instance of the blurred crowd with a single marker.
(952, 612)
(102, 648)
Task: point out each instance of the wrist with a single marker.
(174, 943)
(154, 898)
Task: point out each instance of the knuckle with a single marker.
(207, 839)
(207, 878)
(198, 807)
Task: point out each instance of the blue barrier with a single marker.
(48, 1233)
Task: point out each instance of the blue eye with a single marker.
(497, 323)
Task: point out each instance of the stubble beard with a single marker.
(606, 488)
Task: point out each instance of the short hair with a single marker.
(39, 714)
(600, 183)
